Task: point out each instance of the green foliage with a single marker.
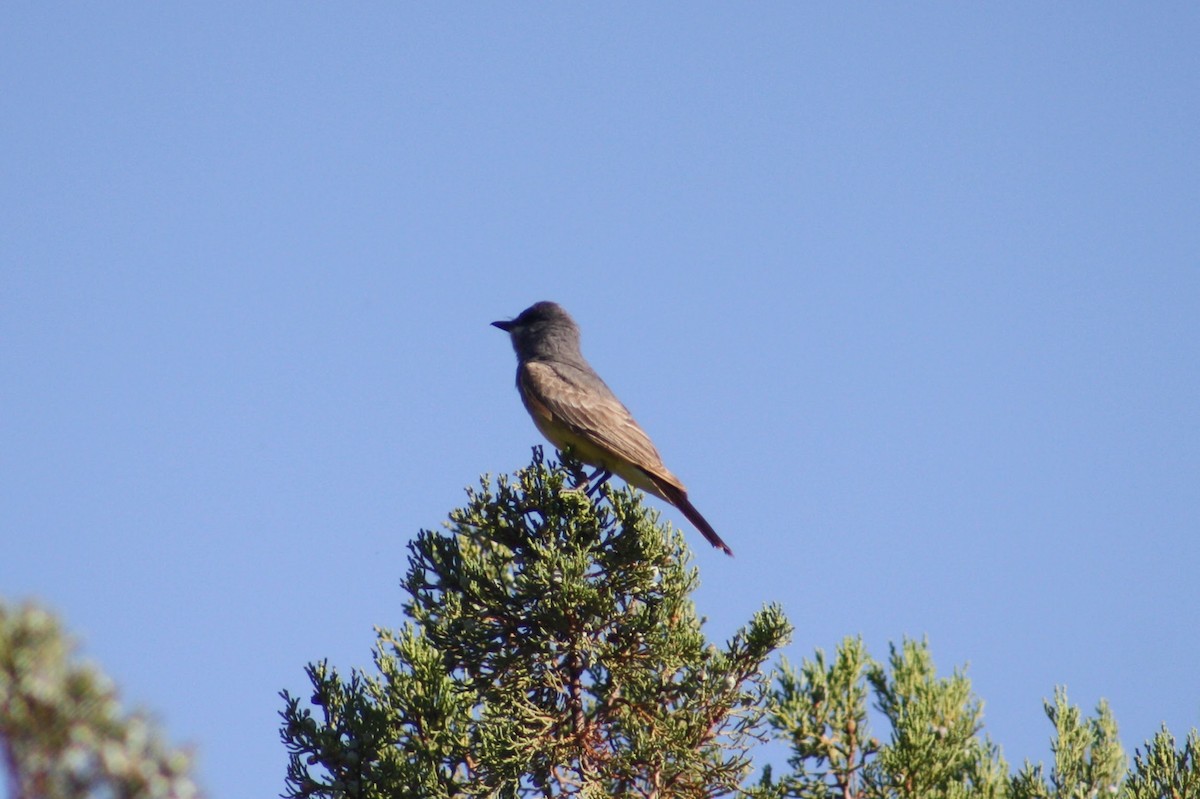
(822, 709)
(934, 749)
(62, 732)
(1162, 772)
(1088, 759)
(552, 650)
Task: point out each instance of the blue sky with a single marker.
(907, 296)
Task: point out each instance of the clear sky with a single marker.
(908, 296)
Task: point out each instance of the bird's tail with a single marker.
(678, 497)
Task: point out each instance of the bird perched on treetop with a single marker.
(579, 414)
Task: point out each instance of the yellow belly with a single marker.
(568, 440)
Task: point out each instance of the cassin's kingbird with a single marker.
(579, 414)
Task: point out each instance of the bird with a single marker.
(580, 415)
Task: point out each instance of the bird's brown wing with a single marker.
(581, 402)
(566, 397)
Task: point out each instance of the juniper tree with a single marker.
(1160, 771)
(551, 649)
(1088, 759)
(934, 749)
(934, 746)
(63, 734)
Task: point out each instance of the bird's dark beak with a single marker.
(505, 326)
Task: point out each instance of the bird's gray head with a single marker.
(543, 331)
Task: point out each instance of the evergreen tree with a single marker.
(63, 734)
(552, 650)
(1088, 759)
(1163, 772)
(934, 750)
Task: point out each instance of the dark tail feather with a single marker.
(679, 499)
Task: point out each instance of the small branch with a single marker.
(578, 718)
